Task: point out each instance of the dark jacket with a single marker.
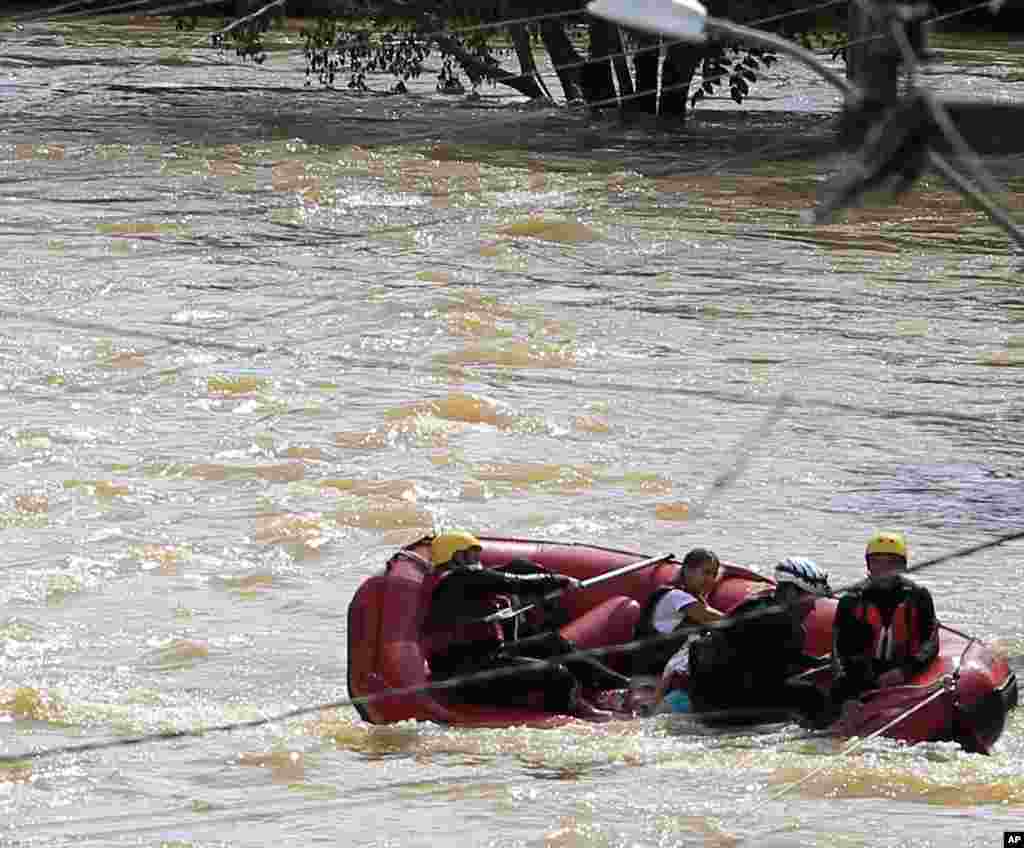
(466, 594)
(459, 643)
(748, 661)
(889, 622)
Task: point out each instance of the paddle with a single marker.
(510, 612)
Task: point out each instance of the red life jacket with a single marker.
(440, 636)
(894, 643)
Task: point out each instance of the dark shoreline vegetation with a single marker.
(346, 52)
(1009, 18)
(598, 64)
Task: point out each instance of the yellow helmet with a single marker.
(445, 545)
(887, 542)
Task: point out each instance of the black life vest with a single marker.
(645, 626)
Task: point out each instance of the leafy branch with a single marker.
(737, 65)
(331, 51)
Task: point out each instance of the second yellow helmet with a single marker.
(887, 542)
(445, 545)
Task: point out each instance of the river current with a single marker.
(256, 336)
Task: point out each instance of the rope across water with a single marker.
(479, 677)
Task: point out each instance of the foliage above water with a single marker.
(737, 65)
(596, 62)
(391, 47)
(394, 46)
(246, 38)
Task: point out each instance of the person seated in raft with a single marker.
(545, 615)
(678, 606)
(749, 662)
(458, 642)
(885, 630)
(535, 633)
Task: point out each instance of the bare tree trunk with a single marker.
(522, 84)
(565, 58)
(524, 52)
(645, 63)
(596, 78)
(619, 63)
(680, 64)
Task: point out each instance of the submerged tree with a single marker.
(351, 39)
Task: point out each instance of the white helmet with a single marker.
(804, 573)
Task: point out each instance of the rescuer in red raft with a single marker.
(461, 642)
(885, 631)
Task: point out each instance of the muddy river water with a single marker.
(255, 336)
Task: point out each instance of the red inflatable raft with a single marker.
(964, 695)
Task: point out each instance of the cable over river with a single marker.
(256, 336)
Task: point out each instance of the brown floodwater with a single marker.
(257, 335)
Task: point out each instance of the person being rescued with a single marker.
(885, 631)
(745, 668)
(678, 606)
(459, 642)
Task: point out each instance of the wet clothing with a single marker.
(465, 594)
(551, 687)
(668, 609)
(544, 617)
(459, 643)
(678, 701)
(747, 664)
(888, 623)
(537, 630)
(675, 678)
(663, 613)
